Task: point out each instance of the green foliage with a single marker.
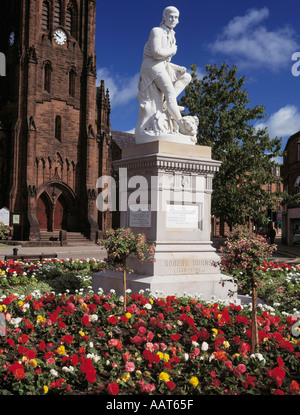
(226, 124)
(122, 242)
(242, 257)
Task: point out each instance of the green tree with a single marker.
(226, 123)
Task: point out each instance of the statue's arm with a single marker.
(155, 44)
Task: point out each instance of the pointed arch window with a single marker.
(45, 15)
(71, 19)
(57, 13)
(47, 76)
(58, 127)
(72, 82)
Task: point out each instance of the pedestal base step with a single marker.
(205, 286)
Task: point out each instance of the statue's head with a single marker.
(170, 17)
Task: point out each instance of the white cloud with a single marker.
(283, 123)
(122, 89)
(253, 44)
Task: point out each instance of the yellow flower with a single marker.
(236, 355)
(33, 362)
(151, 301)
(219, 316)
(81, 333)
(160, 355)
(166, 357)
(45, 388)
(125, 376)
(215, 332)
(40, 319)
(194, 381)
(226, 344)
(164, 376)
(3, 308)
(20, 303)
(128, 315)
(61, 350)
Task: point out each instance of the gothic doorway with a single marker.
(60, 215)
(43, 212)
(56, 208)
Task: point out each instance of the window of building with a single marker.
(47, 77)
(72, 82)
(57, 12)
(45, 15)
(58, 127)
(71, 19)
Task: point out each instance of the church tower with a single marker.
(51, 142)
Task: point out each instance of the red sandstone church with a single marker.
(55, 138)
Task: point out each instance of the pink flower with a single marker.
(129, 367)
(150, 347)
(241, 368)
(146, 387)
(50, 361)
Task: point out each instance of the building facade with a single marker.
(291, 177)
(54, 123)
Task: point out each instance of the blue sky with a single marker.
(259, 37)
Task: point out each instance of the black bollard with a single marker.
(15, 251)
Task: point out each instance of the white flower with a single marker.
(148, 306)
(69, 369)
(186, 357)
(204, 347)
(16, 321)
(195, 344)
(93, 317)
(54, 372)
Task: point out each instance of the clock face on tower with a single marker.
(60, 37)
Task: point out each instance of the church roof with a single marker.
(122, 139)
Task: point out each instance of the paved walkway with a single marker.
(284, 253)
(63, 252)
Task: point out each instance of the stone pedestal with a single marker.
(171, 184)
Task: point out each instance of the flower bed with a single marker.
(59, 344)
(18, 272)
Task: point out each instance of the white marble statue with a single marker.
(160, 84)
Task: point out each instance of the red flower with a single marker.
(294, 387)
(67, 339)
(171, 385)
(23, 339)
(286, 345)
(175, 337)
(74, 360)
(249, 382)
(113, 388)
(112, 320)
(17, 370)
(115, 343)
(85, 320)
(30, 354)
(277, 374)
(89, 370)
